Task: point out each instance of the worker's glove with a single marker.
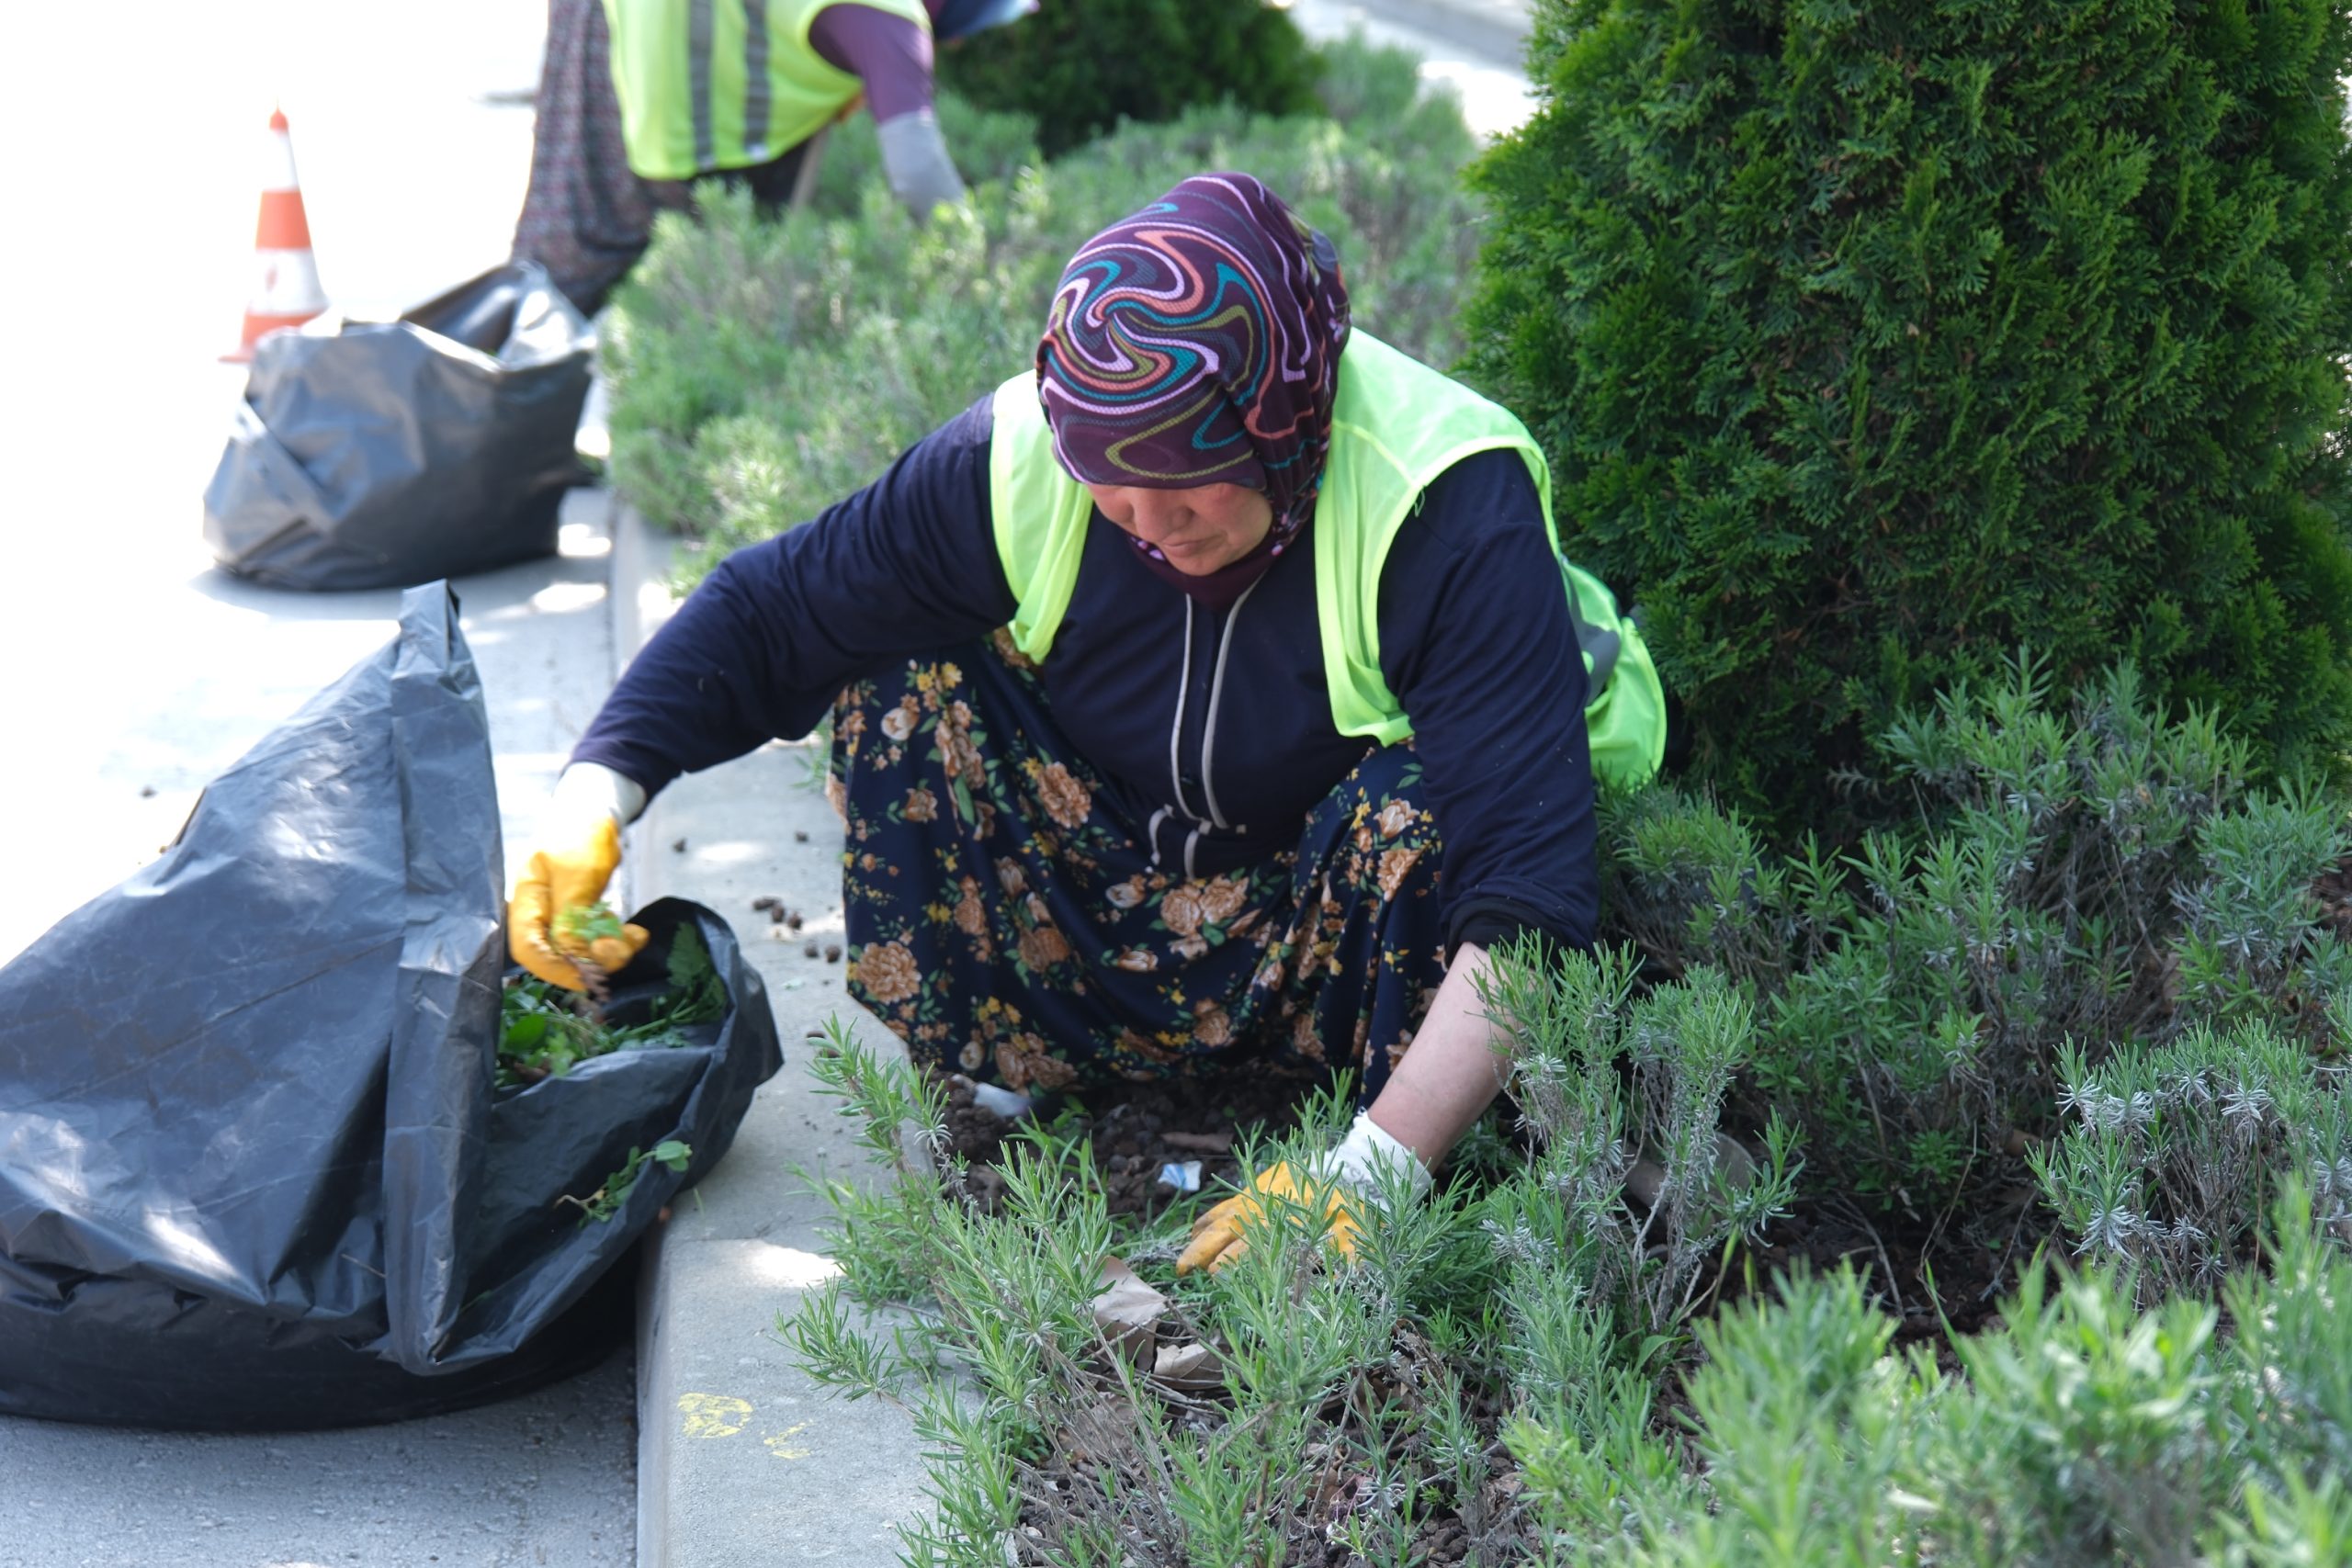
(915, 162)
(1334, 1193)
(580, 848)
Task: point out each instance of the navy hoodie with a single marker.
(1476, 642)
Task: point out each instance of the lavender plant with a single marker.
(2104, 876)
(2173, 1150)
(1320, 1374)
(1569, 1023)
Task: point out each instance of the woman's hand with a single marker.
(1310, 1195)
(579, 851)
(1445, 1082)
(1336, 1193)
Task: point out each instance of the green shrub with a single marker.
(1544, 1297)
(1080, 68)
(762, 371)
(1604, 1081)
(2083, 1431)
(2098, 877)
(2174, 1149)
(1870, 342)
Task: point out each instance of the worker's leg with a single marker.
(1350, 974)
(1006, 921)
(586, 217)
(1003, 918)
(776, 183)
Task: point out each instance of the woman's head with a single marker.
(1187, 369)
(1199, 530)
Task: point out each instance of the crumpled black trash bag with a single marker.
(393, 453)
(253, 1170)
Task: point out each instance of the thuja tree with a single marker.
(1873, 341)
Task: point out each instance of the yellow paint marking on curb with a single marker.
(714, 1414)
(781, 1443)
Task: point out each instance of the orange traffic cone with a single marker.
(289, 293)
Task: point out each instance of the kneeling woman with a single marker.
(1205, 700)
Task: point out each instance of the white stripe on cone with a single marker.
(277, 166)
(288, 285)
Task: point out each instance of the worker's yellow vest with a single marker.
(710, 85)
(1395, 425)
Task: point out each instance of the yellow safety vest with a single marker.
(1395, 425)
(710, 85)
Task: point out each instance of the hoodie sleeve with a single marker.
(1478, 645)
(760, 649)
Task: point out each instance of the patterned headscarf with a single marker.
(1198, 342)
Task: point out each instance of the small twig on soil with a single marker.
(1928, 1247)
(1886, 1264)
(1202, 1142)
(2001, 1269)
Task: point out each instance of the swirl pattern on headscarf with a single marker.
(1198, 342)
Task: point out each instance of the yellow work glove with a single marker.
(1336, 1194)
(570, 872)
(1217, 1234)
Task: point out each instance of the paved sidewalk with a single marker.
(742, 1461)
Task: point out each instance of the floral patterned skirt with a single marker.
(1007, 923)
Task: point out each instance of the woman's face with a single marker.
(1199, 530)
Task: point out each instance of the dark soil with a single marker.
(1933, 1284)
(1137, 1128)
(1925, 1276)
(2334, 890)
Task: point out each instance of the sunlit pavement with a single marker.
(131, 672)
(1470, 47)
(129, 669)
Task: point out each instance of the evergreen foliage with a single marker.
(1083, 68)
(1872, 342)
(1482, 1383)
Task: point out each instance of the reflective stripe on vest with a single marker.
(712, 85)
(1395, 425)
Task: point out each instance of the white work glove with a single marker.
(914, 158)
(1360, 1158)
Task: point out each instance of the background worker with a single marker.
(1204, 700)
(639, 99)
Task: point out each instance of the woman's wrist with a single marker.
(1370, 1157)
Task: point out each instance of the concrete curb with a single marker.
(741, 1460)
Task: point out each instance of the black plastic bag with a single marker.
(393, 453)
(253, 1169)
